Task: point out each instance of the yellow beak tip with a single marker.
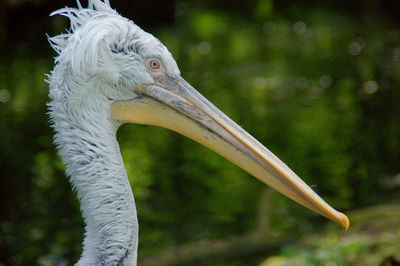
(345, 221)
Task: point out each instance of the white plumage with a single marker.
(101, 59)
(109, 71)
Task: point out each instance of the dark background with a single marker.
(316, 81)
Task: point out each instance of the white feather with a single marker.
(100, 59)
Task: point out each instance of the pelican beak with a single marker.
(176, 105)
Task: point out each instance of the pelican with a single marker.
(109, 72)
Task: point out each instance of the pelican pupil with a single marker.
(154, 64)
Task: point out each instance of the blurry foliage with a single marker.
(316, 85)
(373, 240)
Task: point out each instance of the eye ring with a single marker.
(154, 64)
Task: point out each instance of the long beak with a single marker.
(176, 105)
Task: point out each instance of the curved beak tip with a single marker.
(344, 221)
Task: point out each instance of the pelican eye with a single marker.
(153, 64)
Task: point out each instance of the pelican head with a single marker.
(110, 72)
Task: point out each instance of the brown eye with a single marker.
(154, 64)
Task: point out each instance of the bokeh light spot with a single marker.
(269, 27)
(4, 96)
(325, 81)
(355, 48)
(370, 87)
(204, 47)
(299, 27)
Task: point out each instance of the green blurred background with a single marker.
(316, 81)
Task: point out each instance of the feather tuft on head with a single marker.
(78, 17)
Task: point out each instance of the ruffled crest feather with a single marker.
(78, 17)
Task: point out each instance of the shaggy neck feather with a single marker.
(87, 142)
